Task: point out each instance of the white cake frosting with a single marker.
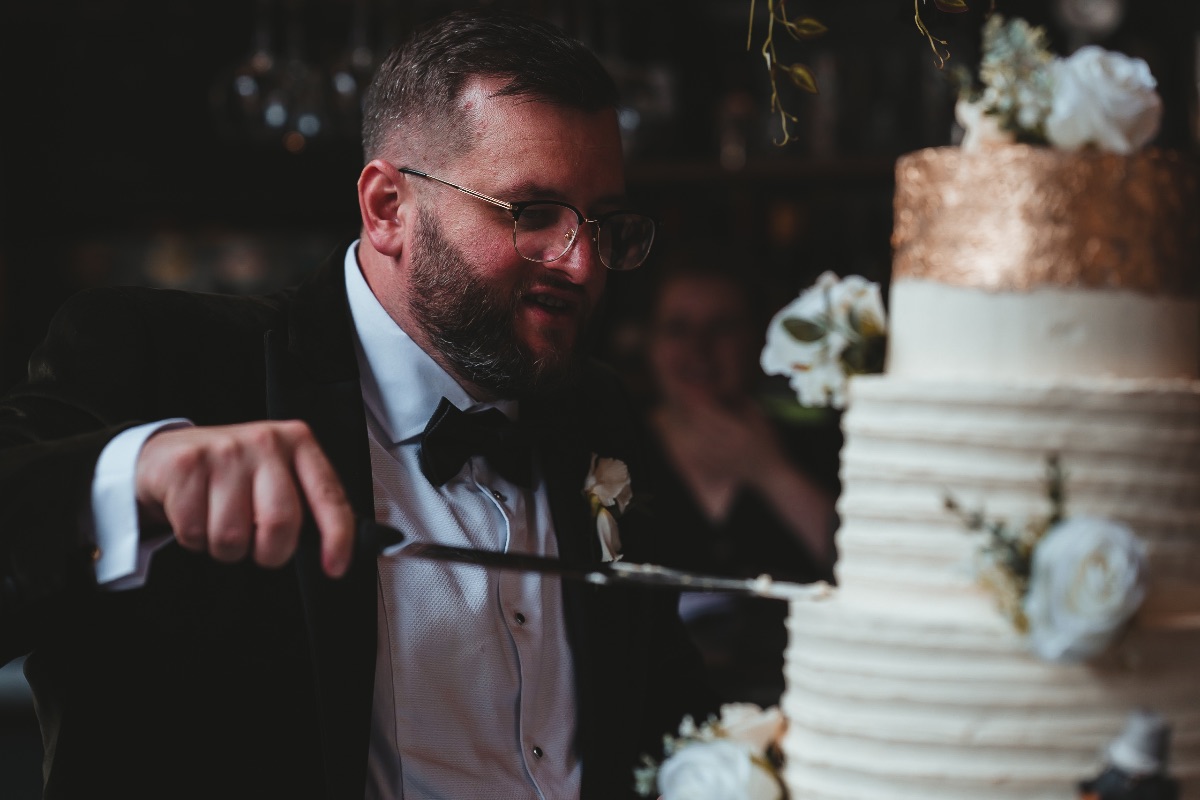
(969, 333)
(909, 682)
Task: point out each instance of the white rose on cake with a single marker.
(834, 329)
(751, 724)
(731, 757)
(1104, 99)
(1086, 581)
(721, 769)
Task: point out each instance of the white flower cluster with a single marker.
(722, 758)
(1095, 97)
(1070, 583)
(833, 330)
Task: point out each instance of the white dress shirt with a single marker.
(474, 683)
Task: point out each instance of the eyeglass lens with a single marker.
(545, 231)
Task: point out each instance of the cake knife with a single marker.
(386, 540)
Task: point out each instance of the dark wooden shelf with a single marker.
(783, 170)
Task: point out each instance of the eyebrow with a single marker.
(529, 190)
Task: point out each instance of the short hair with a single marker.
(416, 89)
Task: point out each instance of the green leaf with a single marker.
(802, 77)
(951, 6)
(805, 330)
(805, 27)
(865, 325)
(866, 356)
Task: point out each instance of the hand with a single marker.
(235, 490)
(737, 444)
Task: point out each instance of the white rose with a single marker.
(979, 129)
(822, 384)
(1103, 98)
(813, 367)
(1086, 582)
(750, 723)
(716, 770)
(858, 307)
(609, 481)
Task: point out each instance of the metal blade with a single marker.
(613, 573)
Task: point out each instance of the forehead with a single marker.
(701, 294)
(524, 145)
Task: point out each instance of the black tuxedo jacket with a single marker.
(225, 681)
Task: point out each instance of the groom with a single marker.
(181, 476)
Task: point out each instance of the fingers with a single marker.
(237, 491)
(277, 515)
(329, 506)
(230, 502)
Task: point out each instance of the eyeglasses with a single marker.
(544, 230)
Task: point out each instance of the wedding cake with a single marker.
(1043, 310)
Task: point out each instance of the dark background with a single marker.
(126, 155)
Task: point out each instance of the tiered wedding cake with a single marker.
(1042, 303)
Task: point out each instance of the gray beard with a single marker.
(472, 325)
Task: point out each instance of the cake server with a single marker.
(386, 540)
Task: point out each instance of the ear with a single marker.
(383, 201)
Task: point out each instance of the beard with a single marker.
(472, 324)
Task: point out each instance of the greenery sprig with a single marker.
(1008, 552)
(804, 27)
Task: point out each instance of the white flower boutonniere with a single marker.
(608, 490)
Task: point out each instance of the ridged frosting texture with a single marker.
(909, 683)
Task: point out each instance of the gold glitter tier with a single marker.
(1017, 217)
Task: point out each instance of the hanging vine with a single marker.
(804, 27)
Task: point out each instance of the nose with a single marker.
(581, 263)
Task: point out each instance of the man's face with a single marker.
(509, 326)
(471, 319)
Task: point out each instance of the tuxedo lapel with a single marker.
(312, 375)
(600, 627)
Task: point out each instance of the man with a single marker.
(182, 473)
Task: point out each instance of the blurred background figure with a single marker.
(741, 492)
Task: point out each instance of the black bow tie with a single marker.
(453, 436)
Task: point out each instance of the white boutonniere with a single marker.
(608, 490)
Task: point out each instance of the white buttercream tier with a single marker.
(940, 330)
(909, 683)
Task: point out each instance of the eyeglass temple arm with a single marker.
(485, 197)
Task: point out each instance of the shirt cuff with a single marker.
(124, 558)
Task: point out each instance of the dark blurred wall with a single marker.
(122, 157)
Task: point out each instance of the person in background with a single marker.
(739, 493)
(181, 475)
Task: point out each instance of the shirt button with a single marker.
(499, 496)
(520, 618)
(537, 752)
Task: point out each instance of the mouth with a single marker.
(550, 302)
(554, 303)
